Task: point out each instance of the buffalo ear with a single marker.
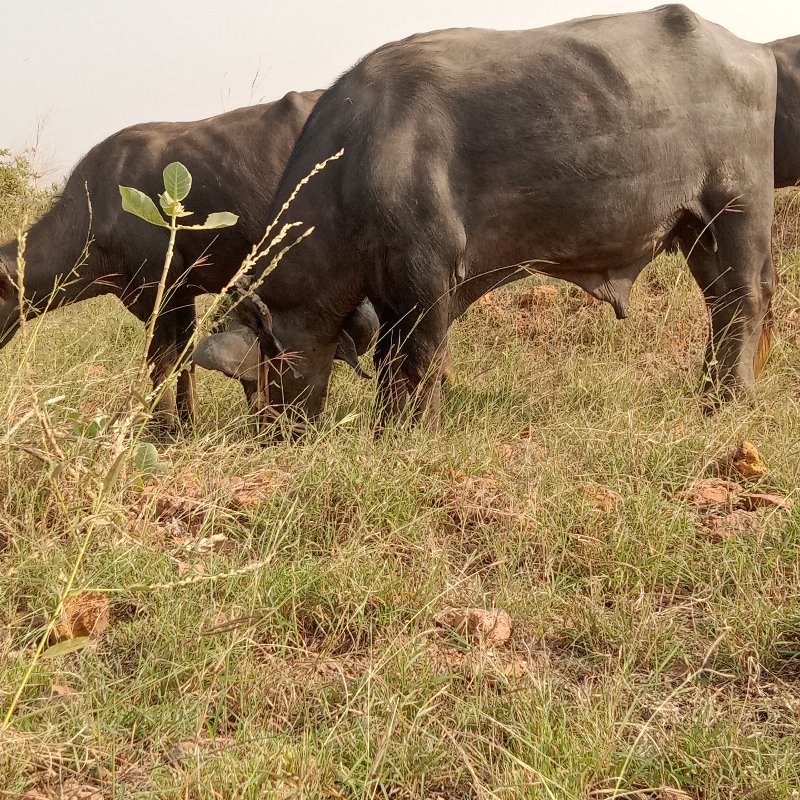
(346, 351)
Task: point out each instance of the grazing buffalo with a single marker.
(580, 150)
(787, 118)
(236, 160)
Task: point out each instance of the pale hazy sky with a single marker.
(72, 72)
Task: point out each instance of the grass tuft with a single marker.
(272, 609)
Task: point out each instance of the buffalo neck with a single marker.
(59, 261)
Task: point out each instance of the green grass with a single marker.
(646, 655)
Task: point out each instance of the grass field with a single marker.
(266, 620)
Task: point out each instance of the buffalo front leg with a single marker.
(185, 322)
(738, 281)
(162, 356)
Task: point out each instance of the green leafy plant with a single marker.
(177, 185)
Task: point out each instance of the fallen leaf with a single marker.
(725, 526)
(601, 498)
(752, 500)
(199, 568)
(215, 543)
(522, 450)
(85, 614)
(96, 372)
(515, 669)
(179, 501)
(183, 751)
(590, 300)
(478, 625)
(711, 492)
(66, 647)
(538, 296)
(613, 789)
(747, 462)
(58, 690)
(61, 695)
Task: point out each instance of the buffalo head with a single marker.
(9, 302)
(293, 379)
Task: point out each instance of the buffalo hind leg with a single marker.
(392, 391)
(448, 368)
(409, 358)
(738, 282)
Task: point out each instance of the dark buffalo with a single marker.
(580, 150)
(236, 160)
(787, 118)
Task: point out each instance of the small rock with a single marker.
(478, 625)
(747, 462)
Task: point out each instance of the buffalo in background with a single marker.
(235, 159)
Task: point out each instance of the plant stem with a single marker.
(151, 327)
(56, 615)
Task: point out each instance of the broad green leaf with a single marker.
(219, 219)
(140, 205)
(145, 459)
(177, 180)
(67, 646)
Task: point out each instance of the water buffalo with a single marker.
(236, 160)
(787, 118)
(581, 149)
